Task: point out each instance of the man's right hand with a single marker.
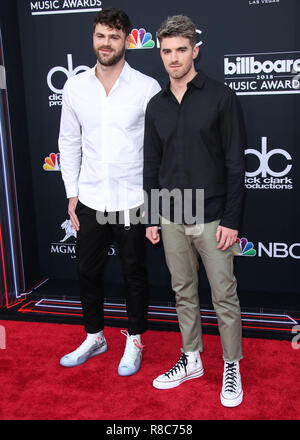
(71, 210)
(152, 234)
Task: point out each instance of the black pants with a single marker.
(93, 242)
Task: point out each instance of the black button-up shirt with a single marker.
(197, 144)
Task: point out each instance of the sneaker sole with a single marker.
(95, 353)
(176, 383)
(231, 403)
(127, 371)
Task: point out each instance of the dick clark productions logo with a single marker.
(52, 79)
(264, 176)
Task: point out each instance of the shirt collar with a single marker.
(197, 81)
(125, 74)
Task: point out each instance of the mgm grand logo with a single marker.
(67, 244)
(263, 73)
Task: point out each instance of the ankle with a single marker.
(138, 337)
(95, 336)
(235, 363)
(131, 336)
(192, 354)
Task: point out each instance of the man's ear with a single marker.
(195, 52)
(127, 41)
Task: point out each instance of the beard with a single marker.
(109, 59)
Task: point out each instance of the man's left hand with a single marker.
(226, 237)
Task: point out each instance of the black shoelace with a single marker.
(182, 363)
(230, 377)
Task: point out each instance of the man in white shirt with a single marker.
(101, 152)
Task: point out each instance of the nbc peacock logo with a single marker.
(52, 162)
(247, 248)
(140, 39)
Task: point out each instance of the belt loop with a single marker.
(127, 219)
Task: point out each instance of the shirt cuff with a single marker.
(72, 191)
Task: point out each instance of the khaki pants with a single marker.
(182, 244)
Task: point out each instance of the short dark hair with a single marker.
(115, 18)
(178, 26)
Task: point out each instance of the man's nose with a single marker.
(106, 41)
(174, 57)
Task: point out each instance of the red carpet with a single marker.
(35, 387)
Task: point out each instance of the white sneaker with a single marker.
(93, 345)
(188, 367)
(232, 393)
(132, 357)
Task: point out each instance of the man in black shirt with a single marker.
(194, 140)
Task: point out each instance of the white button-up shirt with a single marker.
(101, 139)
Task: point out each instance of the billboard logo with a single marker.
(50, 7)
(263, 73)
(52, 162)
(140, 39)
(53, 81)
(269, 178)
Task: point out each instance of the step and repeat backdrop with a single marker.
(252, 46)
